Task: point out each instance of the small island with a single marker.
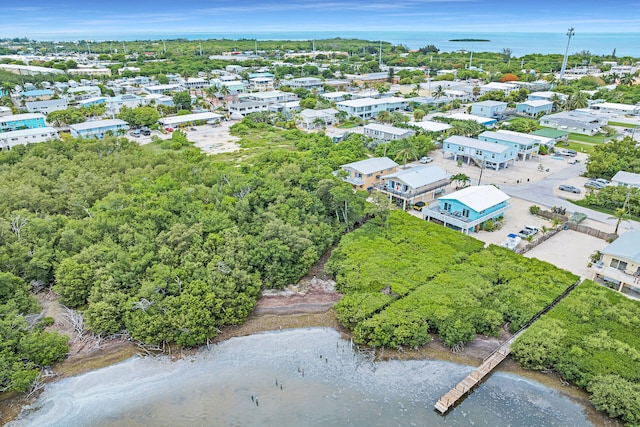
(469, 40)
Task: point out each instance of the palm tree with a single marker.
(620, 215)
(576, 100)
(627, 80)
(438, 93)
(556, 99)
(383, 117)
(461, 179)
(406, 150)
(341, 116)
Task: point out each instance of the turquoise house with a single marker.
(22, 121)
(468, 209)
(98, 128)
(527, 146)
(535, 107)
(487, 154)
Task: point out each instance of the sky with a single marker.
(86, 19)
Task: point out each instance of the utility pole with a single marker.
(200, 48)
(470, 59)
(566, 53)
(380, 55)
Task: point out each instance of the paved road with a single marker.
(541, 193)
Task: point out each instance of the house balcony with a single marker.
(624, 281)
(456, 219)
(412, 194)
(354, 181)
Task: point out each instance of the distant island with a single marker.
(469, 40)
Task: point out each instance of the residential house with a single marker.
(123, 70)
(22, 121)
(619, 266)
(234, 87)
(525, 145)
(261, 84)
(490, 109)
(312, 84)
(82, 92)
(626, 179)
(535, 107)
(194, 83)
(418, 184)
(507, 88)
(98, 128)
(386, 132)
(176, 121)
(484, 154)
(367, 108)
(98, 100)
(555, 134)
(45, 107)
(157, 99)
(35, 95)
(310, 119)
(429, 126)
(545, 96)
(26, 136)
(114, 104)
(89, 71)
(574, 122)
(336, 96)
(484, 121)
(616, 109)
(5, 111)
(364, 174)
(468, 209)
(160, 89)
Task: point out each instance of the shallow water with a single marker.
(301, 377)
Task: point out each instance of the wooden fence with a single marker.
(585, 229)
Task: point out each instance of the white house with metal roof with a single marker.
(386, 132)
(575, 122)
(620, 264)
(310, 119)
(98, 128)
(429, 126)
(616, 109)
(364, 174)
(491, 109)
(26, 136)
(469, 208)
(626, 179)
(535, 107)
(176, 121)
(367, 108)
(418, 184)
(484, 154)
(48, 106)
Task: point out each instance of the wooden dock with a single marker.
(460, 391)
(464, 387)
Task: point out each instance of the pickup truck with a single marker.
(527, 230)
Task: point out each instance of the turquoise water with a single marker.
(303, 377)
(626, 44)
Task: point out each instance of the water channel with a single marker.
(299, 377)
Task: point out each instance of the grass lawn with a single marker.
(595, 139)
(347, 126)
(580, 147)
(599, 208)
(623, 125)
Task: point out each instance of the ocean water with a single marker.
(302, 377)
(625, 44)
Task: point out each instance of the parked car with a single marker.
(528, 230)
(602, 181)
(569, 188)
(145, 132)
(192, 129)
(419, 205)
(572, 161)
(134, 133)
(592, 183)
(426, 159)
(169, 129)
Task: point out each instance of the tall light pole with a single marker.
(566, 53)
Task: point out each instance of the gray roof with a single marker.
(626, 247)
(477, 144)
(97, 124)
(490, 103)
(420, 176)
(508, 137)
(388, 129)
(629, 178)
(375, 164)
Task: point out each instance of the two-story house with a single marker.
(619, 266)
(419, 184)
(386, 132)
(526, 145)
(469, 208)
(491, 109)
(364, 174)
(484, 154)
